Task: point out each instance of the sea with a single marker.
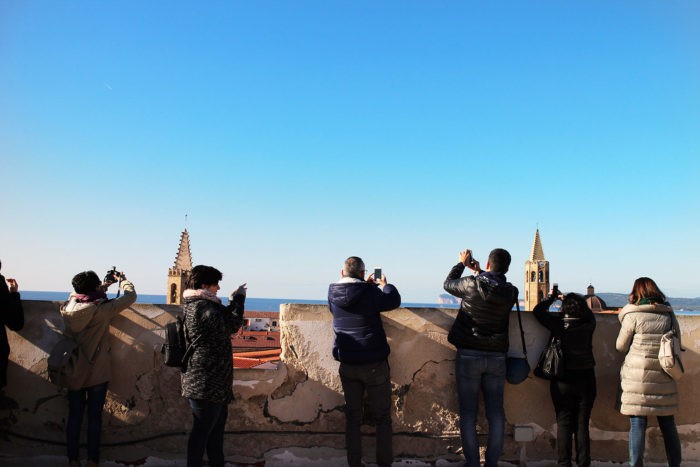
(252, 304)
(264, 304)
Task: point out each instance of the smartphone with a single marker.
(555, 289)
(377, 273)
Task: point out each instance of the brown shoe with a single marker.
(75, 463)
(93, 464)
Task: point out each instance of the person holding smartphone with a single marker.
(208, 378)
(362, 350)
(574, 392)
(480, 334)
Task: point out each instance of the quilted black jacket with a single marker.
(482, 321)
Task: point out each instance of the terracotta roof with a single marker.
(239, 362)
(256, 339)
(261, 314)
(260, 353)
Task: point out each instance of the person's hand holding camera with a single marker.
(466, 258)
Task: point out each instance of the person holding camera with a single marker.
(207, 378)
(12, 316)
(88, 314)
(480, 334)
(361, 348)
(646, 388)
(574, 392)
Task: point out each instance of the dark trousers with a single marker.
(94, 396)
(374, 380)
(573, 402)
(209, 421)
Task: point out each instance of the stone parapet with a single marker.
(299, 405)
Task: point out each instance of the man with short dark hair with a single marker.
(362, 350)
(480, 333)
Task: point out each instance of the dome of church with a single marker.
(595, 303)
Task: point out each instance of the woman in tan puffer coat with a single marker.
(646, 388)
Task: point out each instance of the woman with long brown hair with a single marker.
(646, 388)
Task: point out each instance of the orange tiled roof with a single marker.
(259, 353)
(239, 362)
(256, 339)
(261, 314)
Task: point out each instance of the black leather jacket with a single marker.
(482, 321)
(576, 335)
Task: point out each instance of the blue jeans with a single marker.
(374, 380)
(481, 371)
(95, 398)
(209, 421)
(672, 443)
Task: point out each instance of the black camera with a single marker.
(112, 276)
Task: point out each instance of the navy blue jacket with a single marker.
(356, 308)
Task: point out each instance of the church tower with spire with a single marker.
(536, 275)
(180, 272)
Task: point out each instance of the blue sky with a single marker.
(295, 134)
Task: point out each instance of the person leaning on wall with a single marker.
(88, 314)
(480, 334)
(646, 388)
(574, 392)
(12, 316)
(361, 348)
(207, 377)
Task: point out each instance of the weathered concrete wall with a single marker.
(300, 404)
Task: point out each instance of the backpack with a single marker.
(175, 348)
(67, 365)
(670, 354)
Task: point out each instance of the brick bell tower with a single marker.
(180, 272)
(536, 275)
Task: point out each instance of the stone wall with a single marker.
(298, 407)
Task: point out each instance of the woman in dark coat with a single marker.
(574, 392)
(208, 376)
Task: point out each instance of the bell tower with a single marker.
(180, 272)
(536, 275)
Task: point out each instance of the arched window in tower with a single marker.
(540, 276)
(547, 276)
(532, 276)
(173, 293)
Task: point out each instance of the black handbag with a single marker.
(551, 362)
